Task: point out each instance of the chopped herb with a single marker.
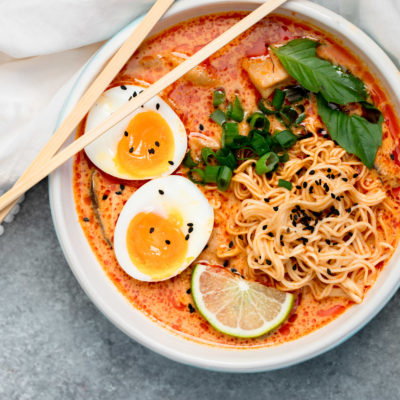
(218, 97)
(285, 184)
(278, 99)
(188, 161)
(219, 117)
(235, 111)
(267, 163)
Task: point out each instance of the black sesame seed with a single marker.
(298, 187)
(126, 133)
(151, 230)
(329, 170)
(168, 241)
(269, 262)
(328, 241)
(333, 196)
(157, 144)
(230, 244)
(170, 162)
(329, 271)
(305, 185)
(190, 224)
(187, 237)
(86, 219)
(130, 98)
(311, 189)
(392, 156)
(270, 234)
(121, 186)
(355, 176)
(118, 193)
(326, 187)
(265, 227)
(190, 230)
(312, 172)
(276, 208)
(234, 270)
(344, 179)
(131, 150)
(157, 106)
(226, 263)
(201, 127)
(151, 151)
(294, 267)
(134, 94)
(266, 200)
(161, 192)
(191, 308)
(189, 291)
(105, 197)
(123, 87)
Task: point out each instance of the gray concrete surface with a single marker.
(54, 344)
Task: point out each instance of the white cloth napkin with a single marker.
(44, 44)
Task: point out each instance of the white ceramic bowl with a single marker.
(135, 324)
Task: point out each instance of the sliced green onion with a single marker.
(218, 116)
(206, 154)
(288, 115)
(235, 111)
(259, 144)
(285, 184)
(265, 108)
(218, 97)
(230, 130)
(285, 139)
(295, 93)
(259, 121)
(225, 157)
(267, 163)
(224, 178)
(300, 119)
(211, 173)
(188, 161)
(284, 157)
(197, 172)
(278, 99)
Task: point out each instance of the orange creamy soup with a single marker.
(100, 197)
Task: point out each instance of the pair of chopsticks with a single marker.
(47, 160)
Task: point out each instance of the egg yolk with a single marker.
(156, 245)
(147, 147)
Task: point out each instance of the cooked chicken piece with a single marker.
(266, 73)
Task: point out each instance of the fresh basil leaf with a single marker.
(317, 75)
(354, 133)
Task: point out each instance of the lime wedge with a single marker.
(236, 306)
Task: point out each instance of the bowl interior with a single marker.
(135, 324)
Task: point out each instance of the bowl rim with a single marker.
(325, 18)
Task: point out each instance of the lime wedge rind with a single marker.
(268, 326)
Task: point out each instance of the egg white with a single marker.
(103, 150)
(178, 194)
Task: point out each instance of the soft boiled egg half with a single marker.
(162, 229)
(149, 143)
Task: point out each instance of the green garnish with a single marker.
(206, 154)
(285, 139)
(278, 99)
(194, 173)
(235, 111)
(211, 173)
(218, 97)
(354, 133)
(285, 184)
(259, 121)
(317, 75)
(259, 144)
(224, 178)
(288, 115)
(300, 118)
(218, 116)
(265, 108)
(230, 130)
(267, 163)
(188, 161)
(225, 157)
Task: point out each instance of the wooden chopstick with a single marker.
(99, 85)
(21, 187)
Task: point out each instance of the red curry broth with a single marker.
(168, 302)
